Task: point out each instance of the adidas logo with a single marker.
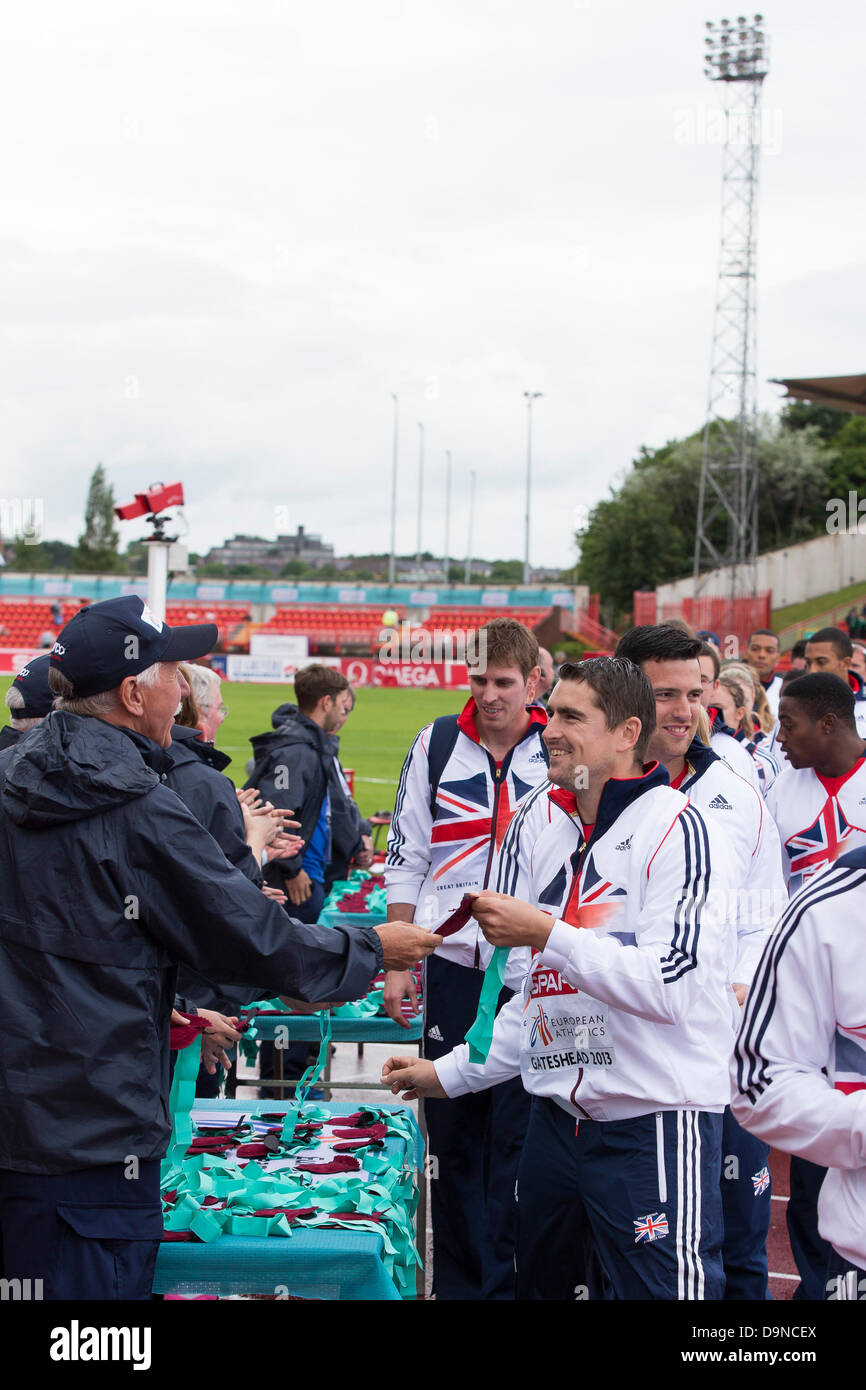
(538, 758)
(435, 1034)
(720, 804)
(626, 844)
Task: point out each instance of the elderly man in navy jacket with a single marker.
(108, 882)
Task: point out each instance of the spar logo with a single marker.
(540, 1029)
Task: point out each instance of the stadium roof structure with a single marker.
(836, 392)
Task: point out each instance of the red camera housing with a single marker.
(156, 499)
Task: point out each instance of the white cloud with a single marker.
(231, 231)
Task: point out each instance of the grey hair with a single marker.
(94, 706)
(15, 700)
(203, 683)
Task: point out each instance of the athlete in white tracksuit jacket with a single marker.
(623, 1029)
(725, 800)
(799, 1069)
(454, 804)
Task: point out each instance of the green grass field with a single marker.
(374, 739)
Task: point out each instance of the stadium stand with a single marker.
(26, 619)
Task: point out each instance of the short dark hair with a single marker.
(658, 643)
(821, 693)
(764, 632)
(793, 673)
(621, 691)
(707, 650)
(313, 682)
(798, 649)
(839, 640)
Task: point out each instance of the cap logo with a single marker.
(58, 650)
(149, 617)
(25, 671)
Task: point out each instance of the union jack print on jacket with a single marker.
(435, 856)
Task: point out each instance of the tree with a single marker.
(506, 572)
(793, 469)
(53, 556)
(798, 415)
(644, 534)
(97, 547)
(135, 558)
(848, 470)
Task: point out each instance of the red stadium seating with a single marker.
(330, 625)
(26, 619)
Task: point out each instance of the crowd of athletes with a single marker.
(628, 828)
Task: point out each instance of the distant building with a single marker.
(271, 555)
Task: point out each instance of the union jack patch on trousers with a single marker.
(650, 1227)
(761, 1181)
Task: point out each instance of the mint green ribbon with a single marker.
(480, 1035)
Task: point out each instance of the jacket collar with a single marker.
(159, 759)
(617, 794)
(188, 740)
(466, 720)
(701, 757)
(855, 680)
(717, 723)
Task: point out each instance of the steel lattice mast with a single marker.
(736, 57)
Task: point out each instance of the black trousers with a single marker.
(90, 1234)
(475, 1147)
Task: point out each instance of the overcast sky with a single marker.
(230, 231)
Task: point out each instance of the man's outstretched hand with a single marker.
(509, 922)
(414, 1076)
(403, 944)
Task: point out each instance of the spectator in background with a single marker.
(858, 660)
(294, 769)
(762, 654)
(28, 699)
(56, 614)
(198, 776)
(798, 656)
(351, 835)
(546, 680)
(47, 639)
(722, 738)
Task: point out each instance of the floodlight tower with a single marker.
(736, 57)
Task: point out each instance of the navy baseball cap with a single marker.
(32, 681)
(105, 642)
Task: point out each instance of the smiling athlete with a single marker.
(463, 780)
(623, 1030)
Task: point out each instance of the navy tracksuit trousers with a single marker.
(746, 1208)
(475, 1143)
(811, 1253)
(638, 1199)
(90, 1234)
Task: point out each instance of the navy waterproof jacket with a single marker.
(295, 764)
(197, 775)
(107, 881)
